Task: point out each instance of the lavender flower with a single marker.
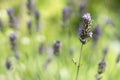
(37, 18)
(29, 26)
(30, 6)
(9, 64)
(101, 67)
(57, 47)
(37, 15)
(84, 31)
(97, 32)
(13, 41)
(10, 12)
(66, 13)
(13, 21)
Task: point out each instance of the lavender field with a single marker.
(59, 40)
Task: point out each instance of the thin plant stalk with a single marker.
(58, 68)
(79, 63)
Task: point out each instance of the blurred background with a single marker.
(39, 40)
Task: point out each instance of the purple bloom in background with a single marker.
(13, 41)
(37, 18)
(10, 12)
(101, 67)
(13, 21)
(57, 47)
(97, 32)
(29, 26)
(31, 6)
(8, 64)
(37, 15)
(67, 11)
(13, 37)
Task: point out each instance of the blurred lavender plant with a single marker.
(50, 58)
(13, 21)
(57, 47)
(56, 51)
(83, 6)
(97, 32)
(37, 18)
(10, 12)
(13, 41)
(37, 15)
(102, 65)
(42, 48)
(66, 18)
(67, 11)
(48, 61)
(29, 26)
(8, 64)
(1, 25)
(118, 58)
(105, 52)
(17, 55)
(30, 6)
(101, 68)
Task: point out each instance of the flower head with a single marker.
(87, 17)
(84, 31)
(8, 64)
(13, 41)
(66, 13)
(57, 47)
(29, 26)
(97, 32)
(101, 67)
(10, 12)
(37, 15)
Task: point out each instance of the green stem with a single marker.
(58, 67)
(79, 63)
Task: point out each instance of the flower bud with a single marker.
(57, 47)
